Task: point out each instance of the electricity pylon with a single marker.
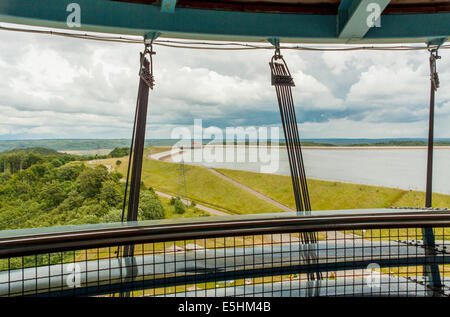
(182, 186)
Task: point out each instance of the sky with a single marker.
(54, 87)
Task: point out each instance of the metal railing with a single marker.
(356, 253)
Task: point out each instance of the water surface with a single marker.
(398, 168)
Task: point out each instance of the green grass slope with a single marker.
(203, 186)
(328, 195)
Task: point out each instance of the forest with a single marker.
(41, 187)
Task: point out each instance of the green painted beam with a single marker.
(356, 17)
(139, 19)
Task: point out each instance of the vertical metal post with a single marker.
(138, 151)
(431, 270)
(146, 82)
(282, 80)
(429, 185)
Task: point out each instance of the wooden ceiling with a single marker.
(303, 6)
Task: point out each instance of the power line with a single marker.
(205, 45)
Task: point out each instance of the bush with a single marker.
(150, 207)
(114, 215)
(84, 220)
(119, 152)
(115, 176)
(73, 201)
(172, 201)
(68, 172)
(93, 208)
(52, 194)
(91, 180)
(179, 207)
(110, 193)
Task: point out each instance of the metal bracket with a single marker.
(168, 6)
(433, 71)
(437, 42)
(275, 42)
(149, 38)
(280, 71)
(147, 74)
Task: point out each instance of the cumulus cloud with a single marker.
(59, 87)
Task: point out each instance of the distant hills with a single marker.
(97, 144)
(65, 144)
(36, 150)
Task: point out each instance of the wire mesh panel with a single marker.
(357, 262)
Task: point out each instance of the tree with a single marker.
(91, 180)
(68, 172)
(40, 170)
(113, 215)
(73, 201)
(35, 192)
(119, 152)
(52, 194)
(86, 219)
(92, 207)
(56, 162)
(150, 206)
(110, 193)
(179, 207)
(4, 178)
(32, 159)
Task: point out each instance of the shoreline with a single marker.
(167, 156)
(316, 147)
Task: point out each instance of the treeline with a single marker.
(119, 152)
(401, 143)
(17, 160)
(48, 190)
(76, 144)
(275, 143)
(21, 159)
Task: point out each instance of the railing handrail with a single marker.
(106, 237)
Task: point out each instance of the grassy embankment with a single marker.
(203, 186)
(326, 195)
(211, 190)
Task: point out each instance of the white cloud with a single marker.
(58, 87)
(345, 128)
(381, 85)
(312, 94)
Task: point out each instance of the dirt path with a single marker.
(163, 156)
(209, 210)
(277, 238)
(250, 190)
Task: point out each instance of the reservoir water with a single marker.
(398, 168)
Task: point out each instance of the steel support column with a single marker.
(431, 271)
(145, 83)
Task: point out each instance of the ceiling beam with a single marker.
(139, 19)
(356, 17)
